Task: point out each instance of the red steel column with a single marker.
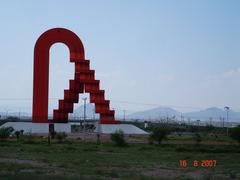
(41, 66)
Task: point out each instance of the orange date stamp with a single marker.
(198, 163)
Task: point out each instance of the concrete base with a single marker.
(30, 127)
(111, 128)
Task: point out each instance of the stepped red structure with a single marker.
(84, 80)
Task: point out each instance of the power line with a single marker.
(117, 101)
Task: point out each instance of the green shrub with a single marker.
(60, 136)
(235, 133)
(118, 138)
(197, 138)
(5, 132)
(158, 134)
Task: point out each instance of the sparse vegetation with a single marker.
(31, 155)
(5, 132)
(78, 160)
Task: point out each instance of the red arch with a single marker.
(83, 80)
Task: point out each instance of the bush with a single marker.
(118, 138)
(158, 134)
(60, 136)
(197, 138)
(209, 128)
(192, 129)
(5, 132)
(235, 133)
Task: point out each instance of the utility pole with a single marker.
(210, 120)
(198, 122)
(227, 110)
(19, 113)
(182, 121)
(222, 120)
(6, 113)
(189, 119)
(124, 112)
(84, 116)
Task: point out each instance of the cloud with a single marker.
(227, 75)
(231, 73)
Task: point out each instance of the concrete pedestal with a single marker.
(30, 127)
(111, 128)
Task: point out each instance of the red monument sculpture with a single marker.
(84, 80)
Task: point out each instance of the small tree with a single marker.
(158, 134)
(60, 136)
(21, 132)
(17, 134)
(5, 132)
(118, 138)
(235, 133)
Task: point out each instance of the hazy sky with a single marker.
(183, 54)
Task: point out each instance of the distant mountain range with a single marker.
(213, 113)
(15, 114)
(90, 111)
(155, 113)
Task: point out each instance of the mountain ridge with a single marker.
(213, 113)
